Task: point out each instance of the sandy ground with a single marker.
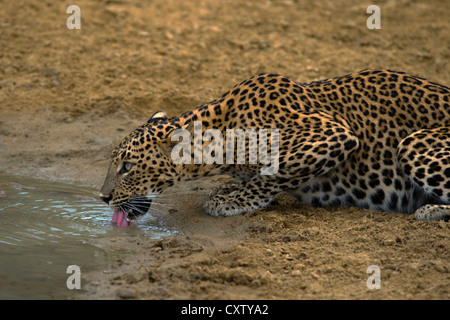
(68, 96)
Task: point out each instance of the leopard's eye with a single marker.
(126, 167)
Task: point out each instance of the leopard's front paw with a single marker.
(222, 206)
(223, 190)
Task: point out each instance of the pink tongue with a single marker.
(120, 217)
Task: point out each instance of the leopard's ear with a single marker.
(157, 116)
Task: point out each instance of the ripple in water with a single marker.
(44, 228)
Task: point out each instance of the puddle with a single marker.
(44, 228)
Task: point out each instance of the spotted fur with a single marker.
(375, 139)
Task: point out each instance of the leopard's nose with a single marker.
(106, 199)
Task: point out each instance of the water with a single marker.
(45, 227)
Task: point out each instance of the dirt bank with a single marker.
(68, 96)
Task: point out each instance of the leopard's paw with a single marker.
(223, 190)
(222, 206)
(433, 212)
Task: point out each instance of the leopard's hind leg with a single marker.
(433, 212)
(424, 157)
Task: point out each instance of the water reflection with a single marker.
(44, 227)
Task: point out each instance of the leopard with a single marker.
(374, 139)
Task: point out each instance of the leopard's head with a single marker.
(140, 169)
